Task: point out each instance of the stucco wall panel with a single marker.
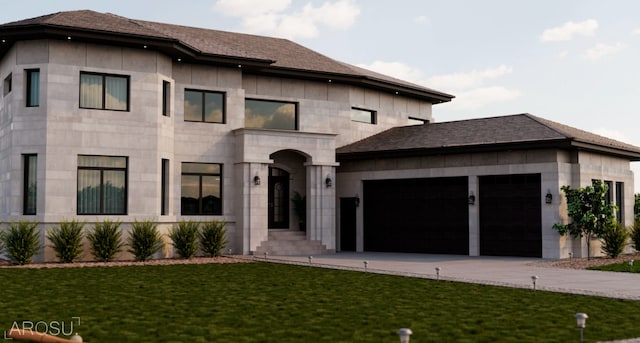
(33, 51)
(107, 57)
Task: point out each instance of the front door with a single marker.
(278, 198)
(348, 223)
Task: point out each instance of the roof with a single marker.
(522, 131)
(254, 53)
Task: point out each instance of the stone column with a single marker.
(321, 205)
(252, 225)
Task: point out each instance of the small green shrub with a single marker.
(144, 240)
(614, 239)
(185, 238)
(66, 240)
(106, 240)
(212, 238)
(21, 241)
(635, 234)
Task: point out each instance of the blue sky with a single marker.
(573, 61)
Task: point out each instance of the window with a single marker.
(201, 188)
(203, 106)
(104, 92)
(33, 87)
(7, 85)
(166, 98)
(277, 115)
(417, 121)
(608, 197)
(363, 116)
(620, 202)
(30, 184)
(164, 187)
(102, 184)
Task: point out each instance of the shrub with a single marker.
(212, 238)
(185, 238)
(144, 240)
(614, 238)
(21, 241)
(106, 240)
(635, 234)
(66, 240)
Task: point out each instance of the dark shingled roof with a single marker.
(495, 133)
(265, 54)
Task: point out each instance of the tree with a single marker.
(589, 211)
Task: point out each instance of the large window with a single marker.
(29, 184)
(203, 106)
(277, 115)
(33, 87)
(6, 85)
(166, 98)
(102, 184)
(201, 188)
(620, 202)
(164, 187)
(104, 92)
(363, 116)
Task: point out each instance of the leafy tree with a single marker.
(589, 211)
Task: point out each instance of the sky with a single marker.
(576, 62)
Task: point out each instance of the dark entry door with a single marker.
(278, 198)
(348, 224)
(510, 215)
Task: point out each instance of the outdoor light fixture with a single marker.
(230, 251)
(265, 255)
(472, 199)
(310, 258)
(548, 198)
(438, 269)
(534, 278)
(631, 265)
(256, 180)
(581, 319)
(404, 334)
(570, 255)
(76, 338)
(357, 200)
(328, 182)
(365, 265)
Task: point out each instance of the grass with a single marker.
(619, 267)
(262, 302)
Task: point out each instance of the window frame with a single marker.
(104, 91)
(203, 104)
(32, 101)
(101, 210)
(295, 104)
(620, 202)
(7, 85)
(373, 115)
(164, 186)
(166, 98)
(200, 211)
(30, 171)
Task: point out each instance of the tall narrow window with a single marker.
(267, 114)
(104, 92)
(201, 188)
(203, 106)
(30, 184)
(620, 202)
(33, 87)
(6, 86)
(363, 116)
(102, 185)
(608, 197)
(164, 187)
(166, 98)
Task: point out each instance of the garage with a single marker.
(421, 215)
(510, 215)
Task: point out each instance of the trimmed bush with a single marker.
(106, 240)
(184, 236)
(614, 239)
(144, 240)
(635, 235)
(21, 241)
(66, 240)
(212, 238)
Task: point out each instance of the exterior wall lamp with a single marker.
(357, 200)
(328, 182)
(256, 180)
(472, 199)
(548, 198)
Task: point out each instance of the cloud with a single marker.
(612, 134)
(636, 32)
(422, 19)
(480, 97)
(395, 69)
(601, 50)
(568, 30)
(474, 78)
(275, 18)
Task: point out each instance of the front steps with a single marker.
(289, 242)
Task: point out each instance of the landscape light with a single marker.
(438, 269)
(534, 278)
(404, 334)
(581, 321)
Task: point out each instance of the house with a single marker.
(106, 117)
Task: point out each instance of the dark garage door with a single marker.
(427, 215)
(510, 215)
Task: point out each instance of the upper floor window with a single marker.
(6, 85)
(30, 188)
(201, 188)
(33, 87)
(102, 184)
(203, 106)
(166, 98)
(267, 114)
(363, 116)
(104, 91)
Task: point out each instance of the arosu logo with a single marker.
(34, 329)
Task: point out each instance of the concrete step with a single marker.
(287, 243)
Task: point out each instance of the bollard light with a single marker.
(404, 334)
(76, 338)
(534, 278)
(230, 251)
(570, 255)
(365, 265)
(265, 255)
(310, 258)
(631, 265)
(438, 269)
(581, 321)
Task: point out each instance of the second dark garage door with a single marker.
(425, 215)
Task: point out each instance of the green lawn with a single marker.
(620, 267)
(263, 302)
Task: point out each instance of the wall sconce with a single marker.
(328, 182)
(472, 199)
(256, 180)
(548, 198)
(357, 200)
